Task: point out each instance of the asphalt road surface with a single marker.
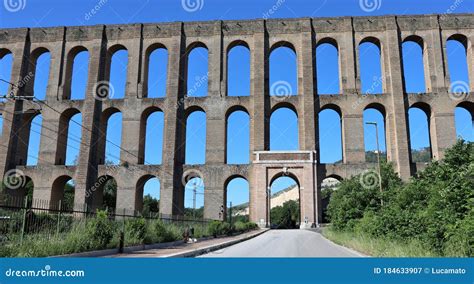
(285, 243)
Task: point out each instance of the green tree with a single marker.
(286, 216)
(150, 205)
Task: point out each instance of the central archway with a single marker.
(284, 201)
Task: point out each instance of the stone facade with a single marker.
(260, 36)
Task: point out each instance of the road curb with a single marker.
(211, 248)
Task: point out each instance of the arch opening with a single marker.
(197, 71)
(157, 73)
(330, 136)
(110, 137)
(194, 198)
(413, 57)
(374, 123)
(195, 151)
(464, 119)
(151, 138)
(457, 57)
(419, 129)
(41, 66)
(370, 62)
(284, 133)
(237, 196)
(104, 197)
(147, 200)
(6, 65)
(238, 137)
(62, 194)
(283, 71)
(117, 73)
(327, 68)
(238, 71)
(284, 202)
(77, 71)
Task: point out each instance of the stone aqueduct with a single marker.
(260, 36)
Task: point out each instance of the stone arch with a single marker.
(35, 87)
(70, 66)
(281, 176)
(286, 83)
(6, 57)
(139, 193)
(195, 115)
(61, 199)
(103, 194)
(143, 136)
(281, 122)
(370, 82)
(235, 108)
(229, 180)
(284, 174)
(103, 130)
(411, 59)
(153, 49)
(330, 134)
(464, 122)
(282, 43)
(238, 69)
(195, 78)
(324, 64)
(459, 68)
(31, 125)
(63, 135)
(418, 154)
(370, 113)
(111, 75)
(236, 126)
(287, 105)
(192, 180)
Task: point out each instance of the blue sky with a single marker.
(283, 124)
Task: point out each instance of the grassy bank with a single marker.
(378, 246)
(101, 232)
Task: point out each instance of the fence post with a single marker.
(122, 234)
(23, 226)
(59, 219)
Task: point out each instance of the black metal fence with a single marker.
(41, 220)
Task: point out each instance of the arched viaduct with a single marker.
(260, 37)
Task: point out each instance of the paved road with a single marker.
(285, 243)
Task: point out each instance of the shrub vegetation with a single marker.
(434, 209)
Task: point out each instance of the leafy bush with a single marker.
(435, 208)
(161, 233)
(135, 230)
(218, 228)
(240, 226)
(99, 231)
